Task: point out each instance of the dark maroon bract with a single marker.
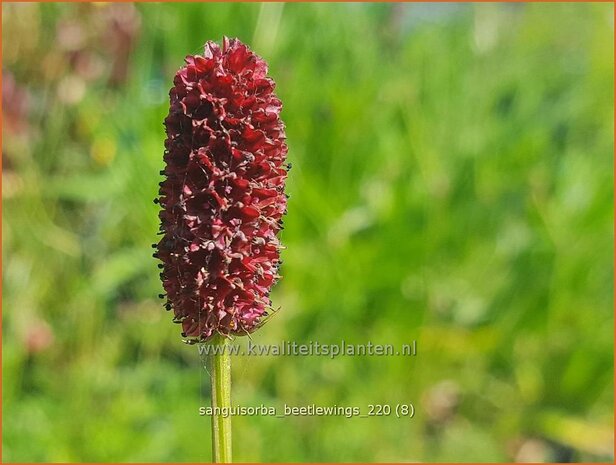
(223, 195)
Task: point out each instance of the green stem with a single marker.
(221, 398)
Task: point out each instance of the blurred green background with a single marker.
(452, 183)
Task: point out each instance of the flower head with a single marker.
(223, 194)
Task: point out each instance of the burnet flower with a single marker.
(223, 194)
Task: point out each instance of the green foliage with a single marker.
(452, 182)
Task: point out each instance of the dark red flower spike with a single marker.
(223, 194)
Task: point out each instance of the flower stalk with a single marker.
(222, 201)
(221, 400)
